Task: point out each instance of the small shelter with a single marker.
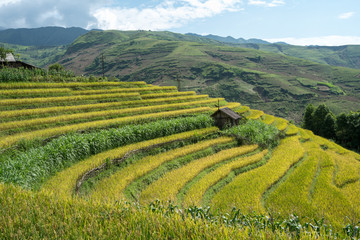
(226, 117)
(10, 61)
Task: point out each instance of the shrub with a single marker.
(256, 132)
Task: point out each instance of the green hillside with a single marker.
(341, 56)
(277, 84)
(82, 159)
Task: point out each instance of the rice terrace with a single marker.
(98, 159)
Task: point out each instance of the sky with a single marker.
(298, 22)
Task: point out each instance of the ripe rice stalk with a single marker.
(21, 92)
(23, 101)
(347, 168)
(170, 184)
(120, 90)
(56, 131)
(60, 109)
(108, 113)
(67, 84)
(112, 188)
(64, 182)
(170, 94)
(281, 123)
(268, 119)
(243, 109)
(328, 200)
(291, 130)
(246, 190)
(254, 114)
(292, 195)
(195, 193)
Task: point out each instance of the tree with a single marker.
(348, 130)
(328, 129)
(308, 121)
(319, 119)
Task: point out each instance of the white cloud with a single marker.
(346, 15)
(8, 2)
(262, 3)
(168, 14)
(320, 41)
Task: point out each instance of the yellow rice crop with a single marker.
(254, 114)
(20, 92)
(243, 109)
(111, 188)
(63, 183)
(281, 123)
(170, 184)
(231, 105)
(119, 90)
(169, 94)
(196, 192)
(352, 192)
(246, 190)
(292, 196)
(292, 130)
(22, 101)
(58, 109)
(305, 134)
(66, 85)
(56, 131)
(347, 168)
(268, 119)
(108, 113)
(327, 199)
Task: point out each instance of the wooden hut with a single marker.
(226, 117)
(10, 61)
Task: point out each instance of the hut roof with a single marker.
(228, 112)
(9, 58)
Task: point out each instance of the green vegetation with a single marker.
(256, 132)
(29, 169)
(344, 128)
(275, 83)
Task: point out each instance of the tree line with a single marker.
(344, 129)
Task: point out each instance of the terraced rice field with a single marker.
(112, 150)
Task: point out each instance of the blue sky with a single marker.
(300, 22)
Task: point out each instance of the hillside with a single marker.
(342, 56)
(41, 37)
(110, 142)
(278, 84)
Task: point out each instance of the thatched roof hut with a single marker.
(10, 61)
(226, 117)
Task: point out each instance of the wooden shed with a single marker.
(226, 117)
(10, 61)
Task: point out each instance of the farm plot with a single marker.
(64, 182)
(107, 114)
(247, 189)
(197, 190)
(69, 109)
(112, 188)
(170, 184)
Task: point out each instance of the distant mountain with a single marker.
(276, 83)
(230, 39)
(44, 36)
(342, 56)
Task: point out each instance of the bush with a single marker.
(254, 131)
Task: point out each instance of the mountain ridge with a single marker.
(278, 84)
